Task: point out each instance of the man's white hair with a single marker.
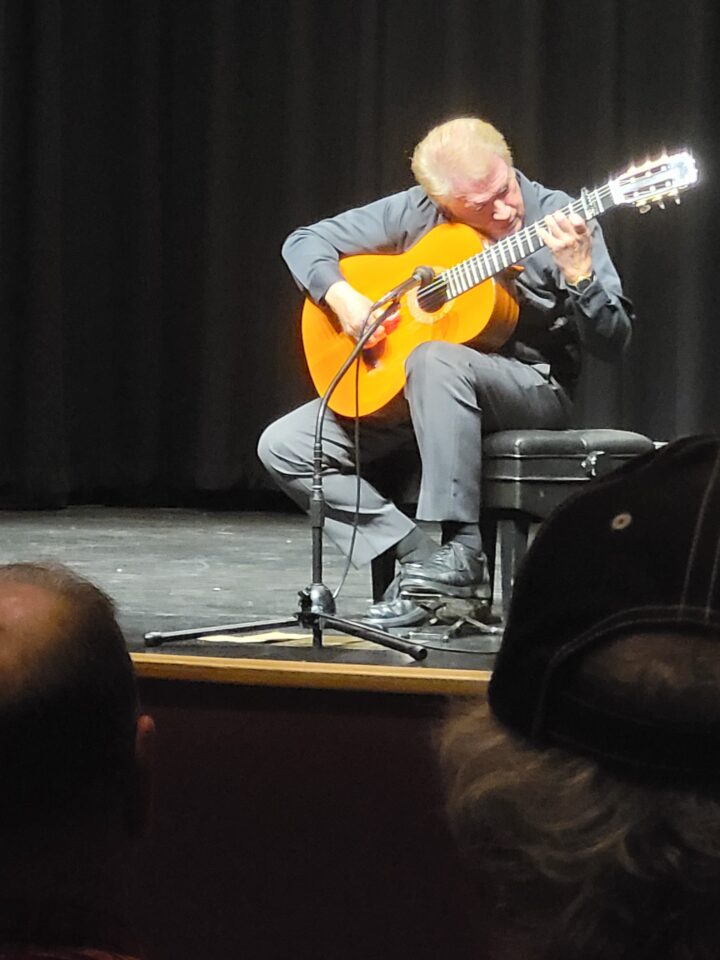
(457, 150)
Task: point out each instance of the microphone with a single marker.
(419, 276)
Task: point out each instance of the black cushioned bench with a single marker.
(526, 475)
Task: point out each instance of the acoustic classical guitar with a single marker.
(462, 301)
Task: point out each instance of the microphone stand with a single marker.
(317, 603)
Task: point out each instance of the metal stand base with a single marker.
(317, 611)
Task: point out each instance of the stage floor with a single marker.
(172, 569)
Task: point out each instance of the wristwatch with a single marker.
(582, 283)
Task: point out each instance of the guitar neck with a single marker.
(510, 250)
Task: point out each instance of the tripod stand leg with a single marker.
(157, 637)
(366, 632)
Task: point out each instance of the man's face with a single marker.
(493, 205)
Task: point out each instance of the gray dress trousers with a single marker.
(454, 395)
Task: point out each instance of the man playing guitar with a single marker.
(570, 301)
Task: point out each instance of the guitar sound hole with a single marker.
(430, 301)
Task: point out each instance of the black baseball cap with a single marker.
(635, 552)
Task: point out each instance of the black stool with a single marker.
(526, 475)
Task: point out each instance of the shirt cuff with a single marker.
(323, 277)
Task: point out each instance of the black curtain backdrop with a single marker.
(154, 154)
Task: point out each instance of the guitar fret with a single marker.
(587, 200)
(459, 278)
(457, 288)
(469, 276)
(454, 282)
(485, 265)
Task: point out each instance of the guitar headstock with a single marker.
(655, 181)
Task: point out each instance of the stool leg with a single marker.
(382, 572)
(488, 532)
(513, 546)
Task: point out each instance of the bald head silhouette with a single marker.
(70, 727)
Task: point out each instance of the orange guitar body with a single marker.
(486, 314)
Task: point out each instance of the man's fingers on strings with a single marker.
(551, 234)
(578, 223)
(562, 226)
(563, 234)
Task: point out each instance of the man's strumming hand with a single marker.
(351, 308)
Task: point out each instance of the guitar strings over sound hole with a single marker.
(430, 301)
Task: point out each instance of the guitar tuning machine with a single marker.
(644, 208)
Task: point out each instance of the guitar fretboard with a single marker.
(508, 251)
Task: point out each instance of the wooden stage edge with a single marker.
(439, 681)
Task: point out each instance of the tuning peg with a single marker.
(644, 208)
(662, 204)
(677, 201)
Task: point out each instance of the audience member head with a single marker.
(73, 743)
(585, 795)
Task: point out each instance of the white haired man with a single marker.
(570, 299)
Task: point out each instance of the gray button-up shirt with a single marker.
(555, 322)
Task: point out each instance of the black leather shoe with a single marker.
(401, 612)
(454, 570)
(394, 610)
